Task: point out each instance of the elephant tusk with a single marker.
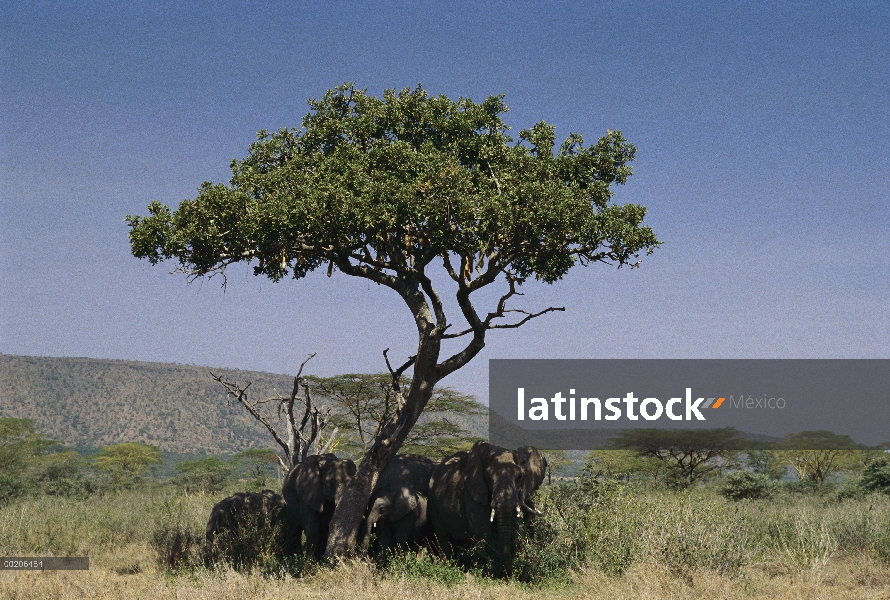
(518, 512)
(492, 515)
(529, 509)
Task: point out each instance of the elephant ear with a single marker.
(534, 466)
(475, 484)
(307, 484)
(403, 503)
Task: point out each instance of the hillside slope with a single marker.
(87, 402)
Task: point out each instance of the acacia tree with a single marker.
(365, 403)
(389, 189)
(126, 462)
(690, 455)
(817, 455)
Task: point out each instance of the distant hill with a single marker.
(85, 402)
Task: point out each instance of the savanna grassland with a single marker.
(594, 541)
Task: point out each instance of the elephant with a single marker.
(398, 508)
(262, 511)
(311, 490)
(535, 466)
(482, 494)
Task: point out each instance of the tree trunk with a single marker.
(351, 508)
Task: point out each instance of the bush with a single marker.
(744, 485)
(127, 462)
(847, 489)
(876, 476)
(177, 543)
(575, 519)
(254, 540)
(209, 474)
(61, 474)
(424, 567)
(10, 487)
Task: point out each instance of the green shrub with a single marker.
(577, 525)
(127, 462)
(847, 489)
(255, 540)
(11, 486)
(178, 543)
(424, 567)
(744, 485)
(876, 476)
(209, 474)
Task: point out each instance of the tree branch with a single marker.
(396, 376)
(240, 394)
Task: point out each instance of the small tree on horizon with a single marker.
(817, 455)
(127, 462)
(255, 463)
(690, 455)
(389, 189)
(210, 474)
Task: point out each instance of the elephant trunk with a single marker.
(504, 516)
(367, 529)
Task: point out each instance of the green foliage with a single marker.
(33, 463)
(256, 464)
(766, 462)
(817, 455)
(11, 486)
(689, 455)
(424, 567)
(20, 443)
(125, 463)
(62, 474)
(363, 403)
(876, 476)
(209, 474)
(744, 485)
(624, 465)
(407, 177)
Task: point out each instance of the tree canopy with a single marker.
(817, 455)
(380, 187)
(127, 461)
(690, 454)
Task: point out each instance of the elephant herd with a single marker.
(468, 497)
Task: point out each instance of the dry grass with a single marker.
(794, 548)
(137, 576)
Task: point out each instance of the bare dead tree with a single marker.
(300, 437)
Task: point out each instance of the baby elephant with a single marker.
(397, 511)
(242, 525)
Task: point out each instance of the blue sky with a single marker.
(762, 134)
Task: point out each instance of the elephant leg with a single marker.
(313, 529)
(403, 530)
(293, 545)
(443, 544)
